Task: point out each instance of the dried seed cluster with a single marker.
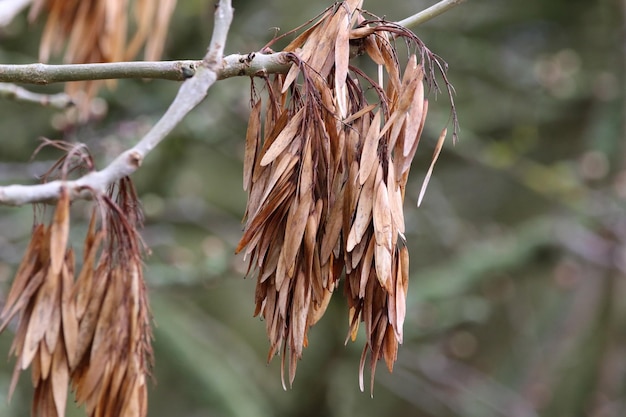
(326, 172)
(90, 328)
(100, 31)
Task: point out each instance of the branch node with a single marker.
(135, 159)
(188, 71)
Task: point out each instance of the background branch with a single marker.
(12, 91)
(430, 13)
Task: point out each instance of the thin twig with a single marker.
(192, 92)
(14, 92)
(430, 13)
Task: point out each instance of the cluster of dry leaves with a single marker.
(87, 329)
(101, 31)
(326, 170)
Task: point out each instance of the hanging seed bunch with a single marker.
(88, 329)
(326, 171)
(101, 31)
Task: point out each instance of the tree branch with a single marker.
(12, 91)
(46, 74)
(189, 95)
(430, 13)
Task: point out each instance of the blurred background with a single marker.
(517, 299)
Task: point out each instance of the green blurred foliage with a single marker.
(518, 252)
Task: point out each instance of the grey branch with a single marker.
(12, 91)
(46, 74)
(429, 13)
(192, 92)
(230, 66)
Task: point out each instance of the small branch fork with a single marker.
(198, 77)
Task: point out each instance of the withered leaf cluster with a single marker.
(88, 329)
(327, 158)
(102, 31)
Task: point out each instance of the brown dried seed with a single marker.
(382, 214)
(395, 200)
(369, 155)
(45, 361)
(382, 259)
(59, 232)
(366, 267)
(252, 144)
(363, 213)
(54, 321)
(39, 320)
(438, 148)
(23, 276)
(406, 161)
(60, 379)
(285, 137)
